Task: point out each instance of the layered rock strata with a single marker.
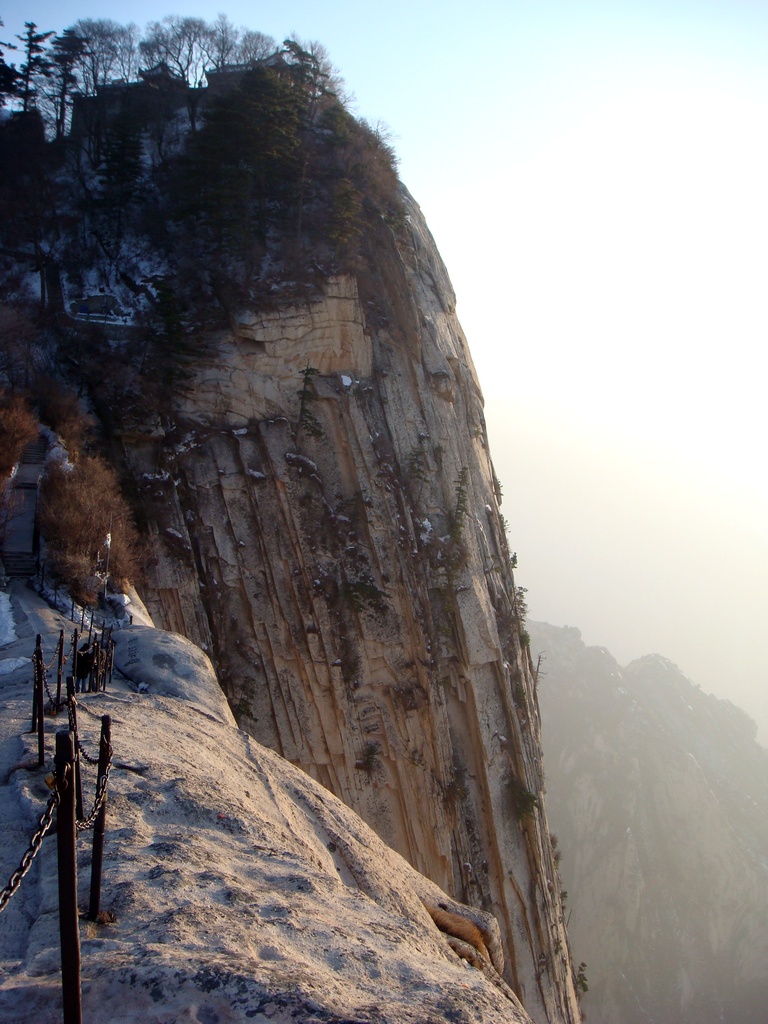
(326, 523)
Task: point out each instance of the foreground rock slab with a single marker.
(235, 887)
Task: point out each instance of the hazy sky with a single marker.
(596, 177)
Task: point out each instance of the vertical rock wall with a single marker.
(334, 540)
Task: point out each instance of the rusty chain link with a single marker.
(101, 793)
(35, 843)
(68, 655)
(72, 707)
(101, 787)
(51, 698)
(39, 666)
(49, 666)
(84, 753)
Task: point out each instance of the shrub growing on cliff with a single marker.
(369, 758)
(17, 428)
(80, 504)
(581, 978)
(60, 409)
(459, 511)
(308, 422)
(522, 801)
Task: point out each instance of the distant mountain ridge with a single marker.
(658, 794)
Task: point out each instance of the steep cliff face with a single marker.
(658, 794)
(334, 539)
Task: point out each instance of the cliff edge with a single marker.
(326, 524)
(234, 887)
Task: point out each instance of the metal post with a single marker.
(39, 701)
(35, 674)
(101, 817)
(75, 642)
(59, 670)
(41, 713)
(73, 722)
(66, 835)
(111, 661)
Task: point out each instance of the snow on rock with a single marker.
(235, 888)
(171, 665)
(294, 459)
(136, 608)
(11, 664)
(7, 628)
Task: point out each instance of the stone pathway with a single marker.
(19, 554)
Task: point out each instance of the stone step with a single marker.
(35, 452)
(19, 564)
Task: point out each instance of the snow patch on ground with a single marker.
(11, 664)
(7, 628)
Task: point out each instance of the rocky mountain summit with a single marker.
(658, 794)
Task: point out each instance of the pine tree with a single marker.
(9, 76)
(37, 64)
(67, 51)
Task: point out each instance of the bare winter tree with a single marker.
(221, 42)
(179, 43)
(98, 63)
(23, 353)
(127, 52)
(254, 46)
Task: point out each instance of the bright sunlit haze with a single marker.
(594, 176)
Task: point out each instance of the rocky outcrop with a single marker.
(326, 523)
(658, 794)
(234, 887)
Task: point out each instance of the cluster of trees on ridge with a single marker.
(130, 186)
(93, 53)
(122, 174)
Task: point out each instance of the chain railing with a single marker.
(67, 802)
(72, 707)
(49, 587)
(91, 673)
(46, 820)
(101, 795)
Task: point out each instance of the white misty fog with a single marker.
(638, 555)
